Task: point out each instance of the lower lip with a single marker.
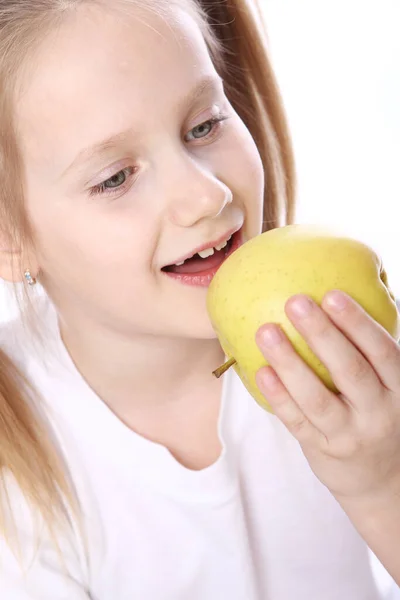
(203, 279)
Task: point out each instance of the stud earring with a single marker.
(29, 279)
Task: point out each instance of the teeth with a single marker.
(206, 253)
(221, 246)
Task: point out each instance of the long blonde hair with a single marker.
(236, 42)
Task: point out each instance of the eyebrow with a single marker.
(206, 85)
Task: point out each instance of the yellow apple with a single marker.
(254, 283)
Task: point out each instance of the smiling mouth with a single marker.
(204, 261)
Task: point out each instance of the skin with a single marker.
(99, 258)
(351, 440)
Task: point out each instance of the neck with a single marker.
(143, 372)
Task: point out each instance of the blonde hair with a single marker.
(236, 43)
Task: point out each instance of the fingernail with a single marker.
(271, 336)
(336, 300)
(301, 306)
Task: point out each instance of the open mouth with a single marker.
(202, 266)
(202, 261)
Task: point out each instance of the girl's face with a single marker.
(134, 160)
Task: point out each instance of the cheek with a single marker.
(243, 172)
(84, 238)
(242, 161)
(251, 157)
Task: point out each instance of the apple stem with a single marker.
(223, 368)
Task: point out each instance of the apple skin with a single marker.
(252, 286)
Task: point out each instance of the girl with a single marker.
(142, 141)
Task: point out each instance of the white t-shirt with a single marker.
(256, 525)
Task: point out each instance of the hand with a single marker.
(351, 439)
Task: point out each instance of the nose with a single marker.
(196, 194)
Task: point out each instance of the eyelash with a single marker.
(102, 190)
(214, 121)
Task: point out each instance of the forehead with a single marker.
(111, 68)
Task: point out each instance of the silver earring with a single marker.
(29, 279)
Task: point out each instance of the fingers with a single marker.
(351, 372)
(379, 348)
(302, 392)
(284, 407)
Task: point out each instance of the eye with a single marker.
(114, 183)
(206, 129)
(202, 130)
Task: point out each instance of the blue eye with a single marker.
(206, 129)
(202, 130)
(114, 183)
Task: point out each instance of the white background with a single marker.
(338, 65)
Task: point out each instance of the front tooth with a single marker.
(180, 263)
(221, 246)
(206, 253)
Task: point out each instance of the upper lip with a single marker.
(207, 245)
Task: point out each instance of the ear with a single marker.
(14, 262)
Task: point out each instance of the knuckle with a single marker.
(357, 369)
(353, 315)
(343, 447)
(356, 446)
(351, 446)
(378, 426)
(298, 427)
(286, 357)
(388, 429)
(322, 405)
(382, 428)
(385, 352)
(322, 328)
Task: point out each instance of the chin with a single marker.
(198, 327)
(189, 318)
(206, 333)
